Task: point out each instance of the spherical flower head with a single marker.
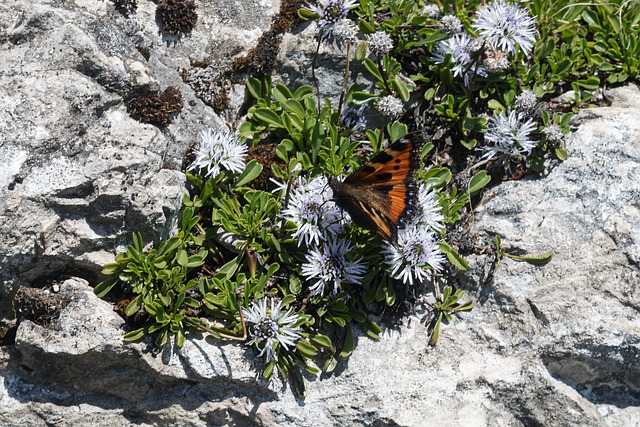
(219, 149)
(462, 49)
(450, 24)
(415, 255)
(496, 60)
(508, 135)
(390, 106)
(526, 102)
(271, 327)
(506, 26)
(344, 32)
(353, 117)
(431, 10)
(313, 211)
(330, 12)
(380, 43)
(553, 132)
(329, 265)
(429, 210)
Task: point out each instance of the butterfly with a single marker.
(382, 193)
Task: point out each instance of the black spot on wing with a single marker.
(382, 177)
(383, 157)
(368, 169)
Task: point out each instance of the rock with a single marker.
(552, 345)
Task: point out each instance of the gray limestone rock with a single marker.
(557, 345)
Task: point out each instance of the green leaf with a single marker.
(372, 329)
(137, 241)
(592, 83)
(561, 67)
(561, 154)
(254, 86)
(321, 340)
(134, 335)
(349, 343)
(541, 259)
(104, 287)
(453, 256)
(306, 349)
(133, 306)
(251, 171)
(478, 182)
(402, 88)
(182, 257)
(365, 27)
(306, 15)
(396, 131)
(373, 69)
(361, 51)
(268, 116)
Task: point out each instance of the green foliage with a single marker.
(446, 306)
(235, 249)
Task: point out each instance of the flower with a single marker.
(462, 49)
(380, 43)
(508, 135)
(312, 210)
(415, 255)
(344, 32)
(330, 12)
(553, 132)
(353, 118)
(450, 24)
(429, 213)
(526, 101)
(271, 327)
(496, 60)
(219, 149)
(431, 10)
(329, 265)
(506, 26)
(390, 106)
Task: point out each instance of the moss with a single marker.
(265, 154)
(177, 17)
(262, 58)
(156, 109)
(126, 6)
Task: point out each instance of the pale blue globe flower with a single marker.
(331, 12)
(219, 149)
(462, 48)
(329, 265)
(271, 327)
(430, 211)
(506, 26)
(415, 255)
(508, 135)
(312, 210)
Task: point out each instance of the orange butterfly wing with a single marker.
(382, 192)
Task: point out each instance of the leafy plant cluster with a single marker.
(238, 245)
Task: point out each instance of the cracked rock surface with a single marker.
(557, 345)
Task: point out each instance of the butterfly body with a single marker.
(380, 194)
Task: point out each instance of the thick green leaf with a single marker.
(306, 349)
(254, 87)
(478, 182)
(396, 131)
(134, 335)
(268, 116)
(104, 287)
(453, 256)
(251, 171)
(541, 259)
